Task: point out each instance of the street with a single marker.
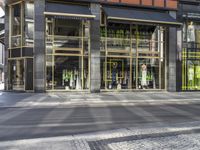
(39, 122)
(22, 123)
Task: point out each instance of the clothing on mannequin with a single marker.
(191, 33)
(197, 77)
(191, 74)
(114, 75)
(144, 75)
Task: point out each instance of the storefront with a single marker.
(133, 49)
(67, 47)
(190, 14)
(91, 46)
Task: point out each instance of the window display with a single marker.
(68, 73)
(67, 50)
(190, 56)
(133, 57)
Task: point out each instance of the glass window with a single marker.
(29, 10)
(132, 57)
(29, 31)
(67, 28)
(22, 24)
(67, 50)
(68, 33)
(29, 24)
(16, 19)
(118, 39)
(16, 25)
(191, 56)
(67, 73)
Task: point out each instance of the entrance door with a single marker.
(17, 75)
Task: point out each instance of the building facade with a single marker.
(98, 45)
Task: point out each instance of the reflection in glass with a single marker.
(15, 26)
(29, 10)
(16, 19)
(29, 24)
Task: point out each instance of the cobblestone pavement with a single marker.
(177, 137)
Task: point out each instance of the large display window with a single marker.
(191, 56)
(67, 51)
(132, 56)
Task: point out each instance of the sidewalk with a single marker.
(102, 99)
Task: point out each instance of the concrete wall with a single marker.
(39, 49)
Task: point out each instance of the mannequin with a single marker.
(71, 79)
(144, 76)
(78, 83)
(190, 76)
(197, 75)
(114, 75)
(191, 33)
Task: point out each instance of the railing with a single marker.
(172, 4)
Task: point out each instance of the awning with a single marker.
(135, 15)
(68, 10)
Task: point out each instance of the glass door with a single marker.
(17, 75)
